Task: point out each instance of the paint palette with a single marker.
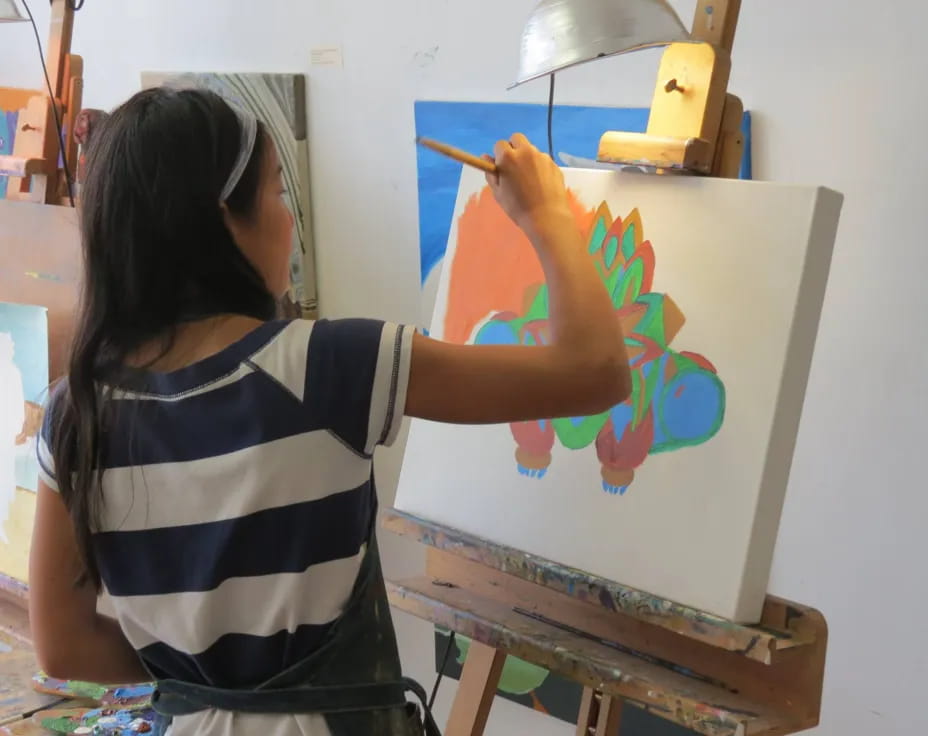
(122, 696)
(99, 721)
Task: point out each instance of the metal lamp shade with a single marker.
(564, 33)
(9, 13)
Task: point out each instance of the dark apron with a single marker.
(354, 678)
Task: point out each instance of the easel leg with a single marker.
(476, 690)
(600, 715)
(610, 717)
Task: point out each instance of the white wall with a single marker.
(846, 107)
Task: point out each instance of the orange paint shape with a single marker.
(493, 265)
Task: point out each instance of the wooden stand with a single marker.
(694, 124)
(34, 167)
(709, 675)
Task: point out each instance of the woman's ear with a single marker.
(232, 223)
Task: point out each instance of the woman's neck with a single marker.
(192, 342)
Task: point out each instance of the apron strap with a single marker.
(174, 698)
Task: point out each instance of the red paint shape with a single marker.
(631, 450)
(700, 360)
(645, 253)
(532, 438)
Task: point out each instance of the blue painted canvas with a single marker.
(476, 126)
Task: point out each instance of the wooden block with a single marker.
(477, 688)
(18, 166)
(35, 139)
(662, 152)
(692, 106)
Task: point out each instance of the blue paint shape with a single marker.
(7, 132)
(476, 126)
(614, 490)
(691, 405)
(532, 472)
(496, 333)
(130, 693)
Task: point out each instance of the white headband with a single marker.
(248, 124)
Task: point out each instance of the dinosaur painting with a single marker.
(678, 398)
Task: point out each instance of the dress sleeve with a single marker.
(356, 379)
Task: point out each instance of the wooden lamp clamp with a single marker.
(695, 124)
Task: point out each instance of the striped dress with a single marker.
(238, 494)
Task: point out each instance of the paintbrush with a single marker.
(458, 155)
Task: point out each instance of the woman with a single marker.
(210, 466)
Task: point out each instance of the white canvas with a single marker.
(688, 501)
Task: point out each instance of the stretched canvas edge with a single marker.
(825, 220)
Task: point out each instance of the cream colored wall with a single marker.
(835, 88)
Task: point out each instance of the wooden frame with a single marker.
(710, 675)
(33, 170)
(694, 124)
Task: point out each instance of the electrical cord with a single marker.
(51, 95)
(441, 670)
(551, 118)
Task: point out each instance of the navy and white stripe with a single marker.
(239, 494)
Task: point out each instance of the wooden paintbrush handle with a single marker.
(458, 155)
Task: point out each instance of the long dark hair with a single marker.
(157, 252)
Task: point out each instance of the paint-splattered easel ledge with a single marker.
(707, 674)
(782, 622)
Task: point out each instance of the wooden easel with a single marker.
(712, 676)
(34, 166)
(694, 124)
